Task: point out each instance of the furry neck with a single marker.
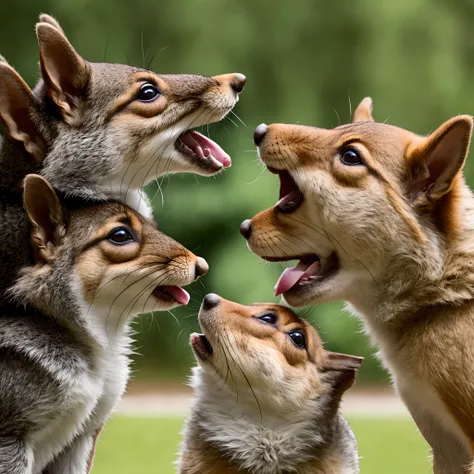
(440, 273)
(257, 438)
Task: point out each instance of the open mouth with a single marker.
(309, 270)
(202, 150)
(291, 196)
(201, 345)
(172, 293)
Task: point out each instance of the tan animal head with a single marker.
(266, 351)
(112, 126)
(99, 264)
(367, 208)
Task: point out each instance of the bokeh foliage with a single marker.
(308, 62)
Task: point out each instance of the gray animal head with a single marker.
(98, 130)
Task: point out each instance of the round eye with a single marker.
(298, 339)
(147, 93)
(120, 236)
(351, 157)
(269, 319)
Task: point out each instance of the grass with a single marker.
(149, 445)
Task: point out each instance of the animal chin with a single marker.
(201, 346)
(171, 294)
(202, 151)
(307, 276)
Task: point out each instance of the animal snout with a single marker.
(235, 80)
(245, 228)
(210, 301)
(238, 82)
(260, 133)
(202, 267)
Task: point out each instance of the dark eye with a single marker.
(147, 93)
(268, 318)
(351, 157)
(120, 236)
(298, 339)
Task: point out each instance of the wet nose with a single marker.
(260, 133)
(245, 228)
(210, 301)
(238, 82)
(201, 267)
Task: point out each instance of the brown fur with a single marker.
(402, 223)
(250, 354)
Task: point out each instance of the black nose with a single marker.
(245, 228)
(238, 82)
(201, 267)
(260, 133)
(210, 301)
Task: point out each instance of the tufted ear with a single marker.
(363, 112)
(44, 18)
(17, 108)
(64, 72)
(44, 211)
(340, 371)
(438, 158)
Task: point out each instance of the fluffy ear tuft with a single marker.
(3, 60)
(340, 371)
(44, 211)
(64, 72)
(44, 18)
(363, 112)
(17, 107)
(438, 159)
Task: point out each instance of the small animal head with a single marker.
(112, 126)
(267, 351)
(99, 263)
(365, 207)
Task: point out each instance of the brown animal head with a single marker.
(367, 208)
(267, 351)
(102, 129)
(101, 263)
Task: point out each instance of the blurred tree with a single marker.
(307, 62)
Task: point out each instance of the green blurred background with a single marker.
(306, 62)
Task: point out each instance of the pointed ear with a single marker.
(17, 107)
(3, 60)
(439, 158)
(340, 371)
(44, 18)
(64, 72)
(44, 211)
(363, 113)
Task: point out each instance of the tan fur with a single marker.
(401, 227)
(282, 377)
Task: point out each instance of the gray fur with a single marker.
(80, 159)
(255, 440)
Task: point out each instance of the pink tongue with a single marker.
(291, 276)
(180, 295)
(216, 151)
(289, 197)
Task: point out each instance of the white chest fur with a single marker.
(258, 441)
(88, 402)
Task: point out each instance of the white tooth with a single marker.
(199, 152)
